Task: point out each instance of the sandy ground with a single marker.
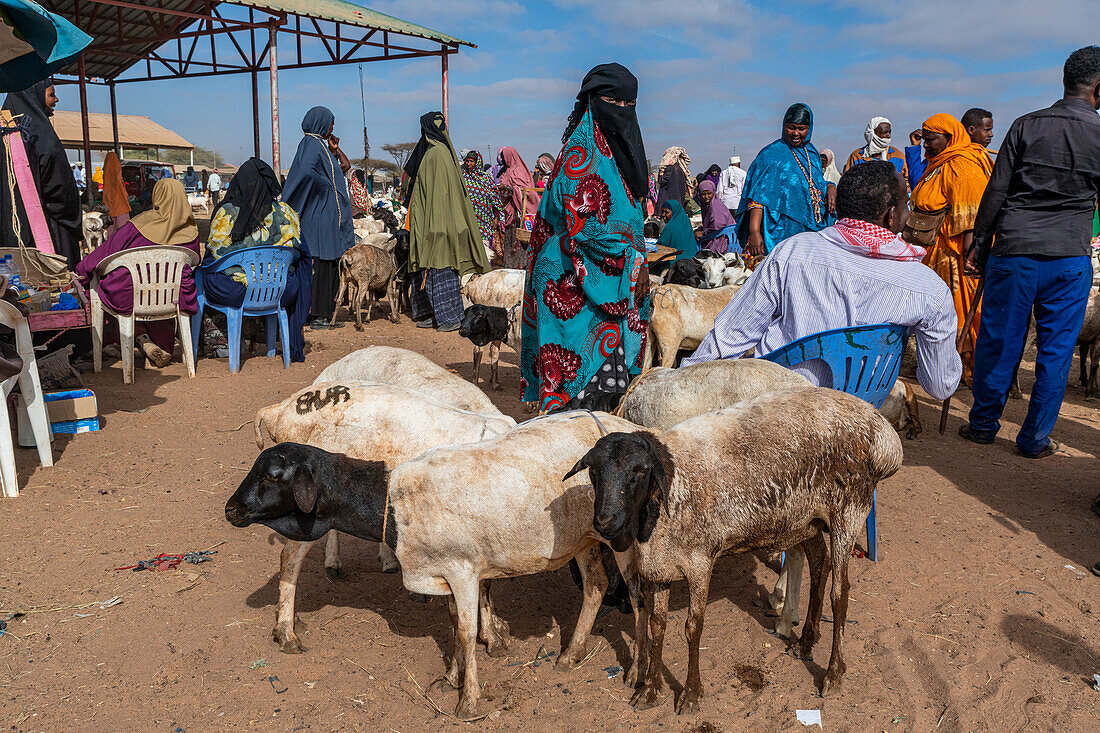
(980, 616)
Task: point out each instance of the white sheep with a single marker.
(370, 421)
(681, 318)
(766, 475)
(501, 288)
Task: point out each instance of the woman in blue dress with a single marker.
(785, 190)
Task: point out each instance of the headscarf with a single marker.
(483, 195)
(830, 173)
(190, 178)
(50, 167)
(97, 176)
(253, 191)
(514, 173)
(778, 166)
(432, 127)
(618, 125)
(170, 221)
(114, 192)
(959, 145)
(877, 147)
(545, 164)
(713, 174)
(316, 188)
(715, 214)
(676, 156)
(678, 233)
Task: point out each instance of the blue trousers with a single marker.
(1058, 288)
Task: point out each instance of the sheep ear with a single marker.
(305, 489)
(580, 466)
(658, 478)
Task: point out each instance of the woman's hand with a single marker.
(830, 198)
(334, 144)
(754, 244)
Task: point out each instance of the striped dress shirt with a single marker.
(809, 283)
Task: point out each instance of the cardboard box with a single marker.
(69, 411)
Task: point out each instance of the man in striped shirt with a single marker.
(855, 273)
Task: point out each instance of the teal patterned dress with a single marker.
(581, 300)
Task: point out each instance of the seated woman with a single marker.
(169, 222)
(251, 215)
(357, 191)
(677, 235)
(719, 226)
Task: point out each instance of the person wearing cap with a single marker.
(731, 183)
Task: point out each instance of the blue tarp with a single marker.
(34, 43)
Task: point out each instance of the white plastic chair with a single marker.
(156, 273)
(31, 389)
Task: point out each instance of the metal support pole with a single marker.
(273, 58)
(255, 112)
(114, 118)
(443, 57)
(84, 128)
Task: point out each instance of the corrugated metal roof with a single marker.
(141, 36)
(352, 14)
(134, 131)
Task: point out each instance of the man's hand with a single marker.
(970, 266)
(915, 137)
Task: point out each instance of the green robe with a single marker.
(443, 229)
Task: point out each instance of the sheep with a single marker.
(902, 410)
(409, 369)
(366, 271)
(377, 422)
(367, 225)
(681, 318)
(387, 218)
(1089, 343)
(766, 475)
(714, 266)
(501, 288)
(381, 240)
(499, 508)
(488, 325)
(662, 398)
(688, 272)
(94, 225)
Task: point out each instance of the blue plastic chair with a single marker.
(266, 269)
(863, 361)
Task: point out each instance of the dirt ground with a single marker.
(980, 615)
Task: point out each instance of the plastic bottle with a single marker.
(5, 267)
(13, 269)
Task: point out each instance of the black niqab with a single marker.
(433, 126)
(253, 190)
(52, 175)
(619, 125)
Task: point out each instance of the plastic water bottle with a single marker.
(5, 267)
(13, 270)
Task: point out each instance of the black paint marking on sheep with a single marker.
(310, 401)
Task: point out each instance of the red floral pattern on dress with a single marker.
(564, 297)
(612, 266)
(593, 197)
(618, 308)
(601, 141)
(557, 365)
(540, 232)
(636, 323)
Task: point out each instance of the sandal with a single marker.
(1052, 448)
(981, 439)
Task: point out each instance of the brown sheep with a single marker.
(366, 271)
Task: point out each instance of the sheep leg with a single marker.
(493, 630)
(456, 666)
(332, 556)
(477, 366)
(650, 693)
(290, 564)
(1093, 389)
(650, 346)
(777, 598)
(641, 622)
(814, 550)
(594, 585)
(669, 346)
(698, 591)
(912, 413)
(387, 559)
(391, 294)
(792, 570)
(339, 298)
(841, 554)
(494, 365)
(465, 592)
(1083, 354)
(361, 294)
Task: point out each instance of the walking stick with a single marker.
(958, 342)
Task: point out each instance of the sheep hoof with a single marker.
(1015, 394)
(335, 573)
(784, 630)
(288, 643)
(630, 679)
(689, 702)
(831, 684)
(391, 568)
(646, 697)
(1090, 398)
(358, 326)
(467, 708)
(567, 661)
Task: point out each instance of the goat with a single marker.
(688, 272)
(366, 271)
(376, 422)
(497, 509)
(680, 319)
(674, 504)
(1088, 342)
(502, 288)
(389, 220)
(488, 325)
(94, 225)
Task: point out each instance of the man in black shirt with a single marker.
(1039, 205)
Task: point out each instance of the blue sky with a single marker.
(714, 75)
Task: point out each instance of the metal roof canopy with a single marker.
(151, 40)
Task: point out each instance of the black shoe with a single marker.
(1096, 569)
(318, 324)
(979, 438)
(448, 328)
(426, 323)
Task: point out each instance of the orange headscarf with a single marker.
(959, 145)
(114, 193)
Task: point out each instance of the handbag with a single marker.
(921, 227)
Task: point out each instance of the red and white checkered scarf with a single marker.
(871, 240)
